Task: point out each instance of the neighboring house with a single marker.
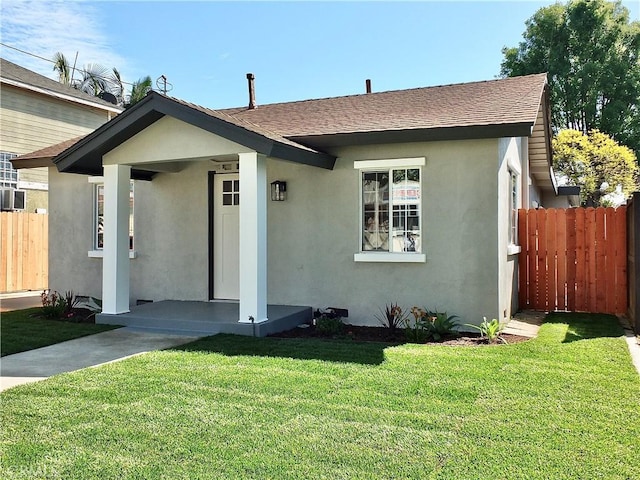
(404, 196)
(37, 112)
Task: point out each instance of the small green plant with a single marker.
(329, 325)
(53, 304)
(70, 302)
(440, 325)
(416, 329)
(392, 317)
(492, 330)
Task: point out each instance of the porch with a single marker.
(206, 318)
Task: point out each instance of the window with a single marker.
(8, 174)
(98, 241)
(513, 206)
(231, 192)
(390, 218)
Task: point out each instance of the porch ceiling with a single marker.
(86, 156)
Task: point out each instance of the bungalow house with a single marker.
(353, 202)
(36, 112)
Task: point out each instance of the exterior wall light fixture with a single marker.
(278, 191)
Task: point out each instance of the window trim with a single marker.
(96, 252)
(382, 166)
(9, 183)
(514, 175)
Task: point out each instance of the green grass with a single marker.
(21, 331)
(563, 406)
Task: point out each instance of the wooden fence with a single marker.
(574, 259)
(24, 247)
(633, 256)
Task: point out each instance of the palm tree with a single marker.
(97, 80)
(61, 66)
(139, 90)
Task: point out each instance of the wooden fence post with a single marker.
(633, 260)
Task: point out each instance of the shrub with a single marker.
(416, 330)
(53, 304)
(391, 317)
(329, 325)
(70, 302)
(440, 325)
(492, 330)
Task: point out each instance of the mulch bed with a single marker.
(378, 334)
(77, 315)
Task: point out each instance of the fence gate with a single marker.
(574, 259)
(24, 247)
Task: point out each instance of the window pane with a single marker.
(406, 210)
(227, 199)
(99, 216)
(227, 186)
(375, 221)
(236, 199)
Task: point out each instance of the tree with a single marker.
(139, 90)
(596, 163)
(96, 79)
(591, 54)
(61, 67)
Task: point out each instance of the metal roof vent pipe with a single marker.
(368, 85)
(252, 91)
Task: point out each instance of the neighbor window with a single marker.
(98, 242)
(390, 216)
(8, 174)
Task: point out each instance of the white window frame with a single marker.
(96, 251)
(381, 166)
(7, 169)
(514, 197)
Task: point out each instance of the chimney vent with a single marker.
(252, 92)
(368, 84)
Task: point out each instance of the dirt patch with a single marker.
(378, 334)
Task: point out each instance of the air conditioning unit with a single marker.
(12, 199)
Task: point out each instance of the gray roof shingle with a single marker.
(495, 102)
(16, 73)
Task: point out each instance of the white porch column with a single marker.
(115, 261)
(253, 237)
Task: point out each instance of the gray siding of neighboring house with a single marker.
(31, 121)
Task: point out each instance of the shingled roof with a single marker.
(511, 101)
(489, 109)
(15, 75)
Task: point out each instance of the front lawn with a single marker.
(562, 406)
(21, 331)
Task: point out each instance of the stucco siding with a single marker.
(315, 233)
(171, 236)
(312, 236)
(509, 158)
(71, 234)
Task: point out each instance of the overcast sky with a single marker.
(297, 50)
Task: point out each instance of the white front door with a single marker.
(226, 244)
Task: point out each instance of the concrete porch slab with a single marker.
(206, 318)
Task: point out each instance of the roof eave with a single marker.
(86, 156)
(471, 132)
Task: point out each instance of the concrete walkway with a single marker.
(89, 351)
(19, 301)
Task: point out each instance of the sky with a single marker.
(297, 50)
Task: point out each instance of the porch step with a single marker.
(204, 318)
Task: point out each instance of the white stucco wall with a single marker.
(170, 231)
(71, 235)
(510, 152)
(315, 233)
(313, 236)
